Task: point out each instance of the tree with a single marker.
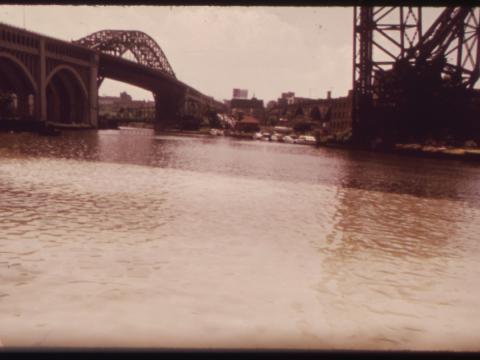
(302, 126)
(6, 104)
(315, 114)
(213, 120)
(299, 112)
(189, 122)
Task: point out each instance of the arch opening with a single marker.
(67, 100)
(17, 90)
(125, 103)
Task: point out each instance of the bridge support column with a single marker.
(22, 105)
(93, 91)
(41, 102)
(167, 108)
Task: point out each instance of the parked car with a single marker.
(289, 139)
(306, 139)
(301, 140)
(266, 136)
(216, 132)
(277, 137)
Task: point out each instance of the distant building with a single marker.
(242, 107)
(287, 98)
(271, 104)
(125, 98)
(240, 94)
(299, 100)
(123, 107)
(340, 112)
(332, 114)
(248, 124)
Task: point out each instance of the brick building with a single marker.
(332, 114)
(243, 107)
(123, 107)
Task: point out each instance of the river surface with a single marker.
(124, 238)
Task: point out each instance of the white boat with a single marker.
(257, 136)
(289, 139)
(310, 140)
(216, 132)
(277, 137)
(306, 140)
(301, 140)
(266, 136)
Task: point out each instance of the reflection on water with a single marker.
(195, 241)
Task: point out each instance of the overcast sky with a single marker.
(267, 50)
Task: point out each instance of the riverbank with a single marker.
(414, 150)
(64, 126)
(18, 125)
(443, 152)
(417, 150)
(174, 132)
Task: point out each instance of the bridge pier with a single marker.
(23, 110)
(63, 77)
(41, 103)
(168, 106)
(93, 90)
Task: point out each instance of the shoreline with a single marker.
(431, 152)
(412, 150)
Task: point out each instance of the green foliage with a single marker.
(302, 126)
(272, 121)
(315, 114)
(299, 112)
(213, 120)
(190, 123)
(6, 104)
(344, 137)
(248, 127)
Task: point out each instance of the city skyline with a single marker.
(228, 43)
(266, 50)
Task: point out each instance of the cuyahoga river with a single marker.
(124, 238)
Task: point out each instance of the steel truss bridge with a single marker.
(410, 82)
(57, 81)
(407, 81)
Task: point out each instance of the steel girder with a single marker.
(117, 42)
(453, 38)
(389, 40)
(382, 35)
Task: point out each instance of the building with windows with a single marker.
(331, 114)
(240, 108)
(287, 98)
(240, 94)
(123, 107)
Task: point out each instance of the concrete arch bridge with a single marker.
(52, 80)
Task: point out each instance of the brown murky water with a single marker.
(124, 238)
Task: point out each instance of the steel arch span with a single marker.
(117, 42)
